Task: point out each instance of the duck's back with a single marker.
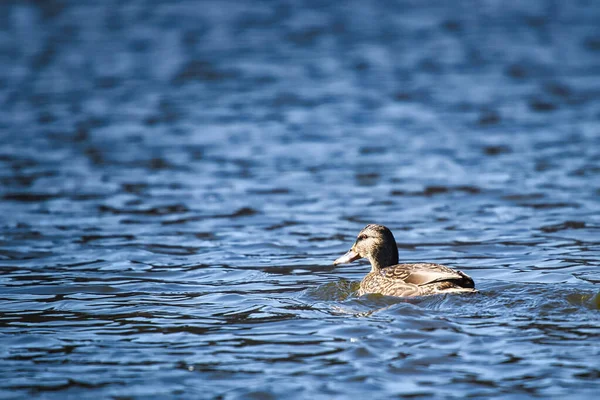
(404, 280)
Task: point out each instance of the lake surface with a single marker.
(176, 179)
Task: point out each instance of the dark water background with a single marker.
(177, 177)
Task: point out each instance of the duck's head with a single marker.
(376, 243)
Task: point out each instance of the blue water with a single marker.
(176, 179)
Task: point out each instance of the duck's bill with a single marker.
(347, 258)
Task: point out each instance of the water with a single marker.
(176, 180)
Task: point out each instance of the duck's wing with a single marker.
(423, 273)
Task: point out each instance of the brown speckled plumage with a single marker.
(389, 278)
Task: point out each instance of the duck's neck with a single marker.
(384, 257)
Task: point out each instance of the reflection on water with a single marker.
(177, 179)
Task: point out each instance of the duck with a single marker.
(387, 277)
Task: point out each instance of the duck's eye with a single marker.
(361, 237)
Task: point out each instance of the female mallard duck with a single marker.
(389, 278)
